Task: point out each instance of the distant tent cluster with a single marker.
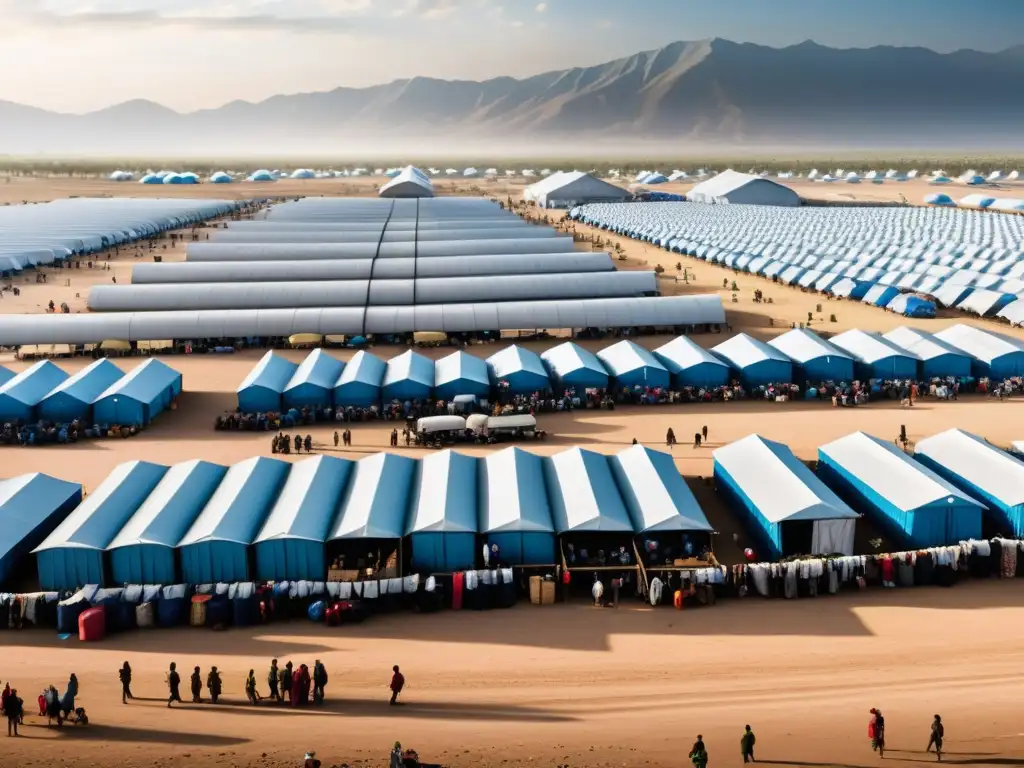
(170, 177)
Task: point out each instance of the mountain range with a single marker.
(708, 93)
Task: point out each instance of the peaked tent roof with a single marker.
(802, 345)
(743, 351)
(88, 384)
(869, 347)
(512, 493)
(444, 495)
(983, 465)
(308, 499)
(778, 483)
(887, 471)
(27, 505)
(921, 343)
(980, 343)
(145, 382)
(318, 369)
(97, 520)
(461, 366)
(575, 185)
(240, 504)
(375, 500)
(569, 357)
(682, 353)
(513, 360)
(33, 384)
(656, 495)
(172, 506)
(625, 357)
(409, 366)
(272, 372)
(583, 493)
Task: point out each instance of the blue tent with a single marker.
(20, 395)
(876, 357)
(814, 358)
(755, 362)
(260, 391)
(152, 178)
(73, 398)
(143, 552)
(137, 398)
(216, 547)
(261, 175)
(313, 382)
(376, 499)
(290, 546)
(513, 507)
(522, 370)
(880, 295)
(5, 375)
(992, 354)
(461, 374)
(220, 178)
(908, 305)
(656, 495)
(31, 507)
(573, 366)
(442, 523)
(849, 288)
(691, 365)
(980, 470)
(938, 359)
(583, 494)
(630, 365)
(912, 503)
(410, 376)
(360, 382)
(72, 556)
(788, 509)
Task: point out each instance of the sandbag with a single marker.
(218, 612)
(68, 612)
(171, 611)
(145, 615)
(92, 624)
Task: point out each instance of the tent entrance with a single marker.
(797, 537)
(358, 559)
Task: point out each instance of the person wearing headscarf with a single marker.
(173, 684)
(214, 684)
(197, 686)
(5, 697)
(319, 682)
(396, 756)
(876, 731)
(125, 673)
(295, 698)
(53, 706)
(67, 702)
(13, 710)
(699, 753)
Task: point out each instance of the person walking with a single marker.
(336, 437)
(397, 684)
(704, 432)
(876, 732)
(670, 438)
(938, 732)
(173, 685)
(309, 443)
(699, 753)
(319, 681)
(197, 686)
(250, 688)
(273, 677)
(14, 711)
(696, 439)
(125, 673)
(286, 682)
(213, 683)
(747, 745)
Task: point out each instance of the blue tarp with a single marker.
(755, 362)
(360, 382)
(20, 395)
(911, 306)
(913, 504)
(73, 398)
(375, 501)
(216, 547)
(691, 365)
(137, 398)
(290, 546)
(143, 552)
(461, 374)
(72, 556)
(880, 295)
(410, 376)
(522, 370)
(5, 375)
(814, 358)
(513, 507)
(573, 366)
(31, 507)
(630, 365)
(260, 391)
(583, 493)
(443, 513)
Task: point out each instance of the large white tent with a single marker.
(743, 189)
(564, 190)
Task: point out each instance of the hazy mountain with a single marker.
(712, 92)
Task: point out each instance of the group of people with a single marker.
(52, 706)
(281, 443)
(294, 684)
(876, 733)
(672, 442)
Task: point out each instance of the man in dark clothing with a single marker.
(936, 738)
(747, 745)
(197, 686)
(14, 712)
(319, 682)
(309, 443)
(125, 673)
(696, 439)
(397, 684)
(704, 432)
(298, 443)
(173, 683)
(213, 683)
(699, 753)
(286, 682)
(335, 438)
(272, 677)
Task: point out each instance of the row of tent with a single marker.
(795, 357)
(147, 523)
(955, 487)
(45, 233)
(100, 393)
(920, 251)
(987, 202)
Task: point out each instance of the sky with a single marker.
(80, 55)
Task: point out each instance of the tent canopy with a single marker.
(360, 382)
(754, 361)
(444, 496)
(692, 365)
(260, 391)
(73, 398)
(305, 507)
(512, 493)
(572, 365)
(31, 506)
(375, 501)
(521, 369)
(138, 396)
(21, 394)
(817, 357)
(583, 494)
(313, 382)
(409, 376)
(461, 373)
(656, 495)
(631, 366)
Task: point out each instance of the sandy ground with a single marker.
(566, 685)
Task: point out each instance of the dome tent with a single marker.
(220, 178)
(151, 178)
(303, 173)
(262, 175)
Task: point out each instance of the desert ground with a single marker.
(567, 685)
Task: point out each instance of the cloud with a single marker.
(541, 7)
